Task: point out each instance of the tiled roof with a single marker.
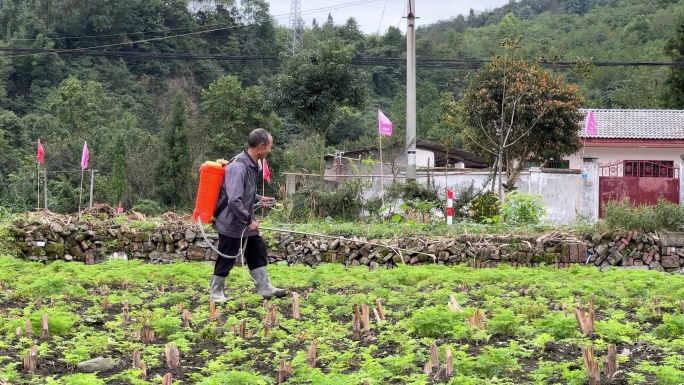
(637, 124)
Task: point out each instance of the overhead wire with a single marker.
(360, 61)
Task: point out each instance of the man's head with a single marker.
(260, 142)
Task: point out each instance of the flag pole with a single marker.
(263, 192)
(80, 193)
(38, 180)
(382, 175)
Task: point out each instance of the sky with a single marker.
(370, 14)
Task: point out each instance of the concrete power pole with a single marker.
(411, 91)
(294, 36)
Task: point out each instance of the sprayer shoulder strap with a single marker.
(223, 203)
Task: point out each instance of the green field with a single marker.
(528, 339)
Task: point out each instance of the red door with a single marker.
(642, 181)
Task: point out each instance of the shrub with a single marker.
(147, 207)
(464, 198)
(485, 206)
(521, 208)
(662, 216)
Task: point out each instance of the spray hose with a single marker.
(279, 207)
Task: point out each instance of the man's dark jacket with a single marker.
(237, 197)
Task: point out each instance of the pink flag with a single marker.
(384, 124)
(41, 152)
(267, 172)
(85, 156)
(591, 124)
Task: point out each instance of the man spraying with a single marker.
(236, 222)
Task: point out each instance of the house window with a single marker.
(649, 168)
(563, 164)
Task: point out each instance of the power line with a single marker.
(360, 61)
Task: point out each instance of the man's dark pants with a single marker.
(255, 253)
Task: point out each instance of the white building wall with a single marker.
(608, 155)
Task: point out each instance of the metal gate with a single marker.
(642, 181)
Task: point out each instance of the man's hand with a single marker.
(254, 226)
(267, 201)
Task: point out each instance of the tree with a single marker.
(516, 112)
(118, 181)
(315, 83)
(675, 82)
(173, 167)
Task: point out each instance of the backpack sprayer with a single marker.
(210, 180)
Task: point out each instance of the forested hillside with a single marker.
(150, 121)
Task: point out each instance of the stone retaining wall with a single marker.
(45, 239)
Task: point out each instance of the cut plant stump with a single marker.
(52, 303)
(28, 329)
(585, 322)
(39, 303)
(365, 314)
(610, 362)
(295, 306)
(213, 314)
(124, 318)
(593, 374)
(243, 329)
(478, 320)
(311, 355)
(136, 359)
(172, 356)
(356, 327)
(17, 332)
(453, 305)
(45, 333)
(143, 372)
(147, 332)
(284, 370)
(168, 379)
(186, 318)
(105, 303)
(126, 304)
(31, 360)
(449, 362)
(434, 357)
(378, 307)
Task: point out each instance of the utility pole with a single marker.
(294, 34)
(411, 91)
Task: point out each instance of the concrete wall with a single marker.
(567, 194)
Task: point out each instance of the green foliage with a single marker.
(173, 166)
(235, 377)
(617, 332)
(558, 325)
(669, 373)
(118, 181)
(485, 206)
(663, 216)
(81, 379)
(434, 322)
(166, 326)
(671, 328)
(504, 323)
(522, 208)
(316, 82)
(147, 207)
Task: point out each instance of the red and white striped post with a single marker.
(450, 207)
